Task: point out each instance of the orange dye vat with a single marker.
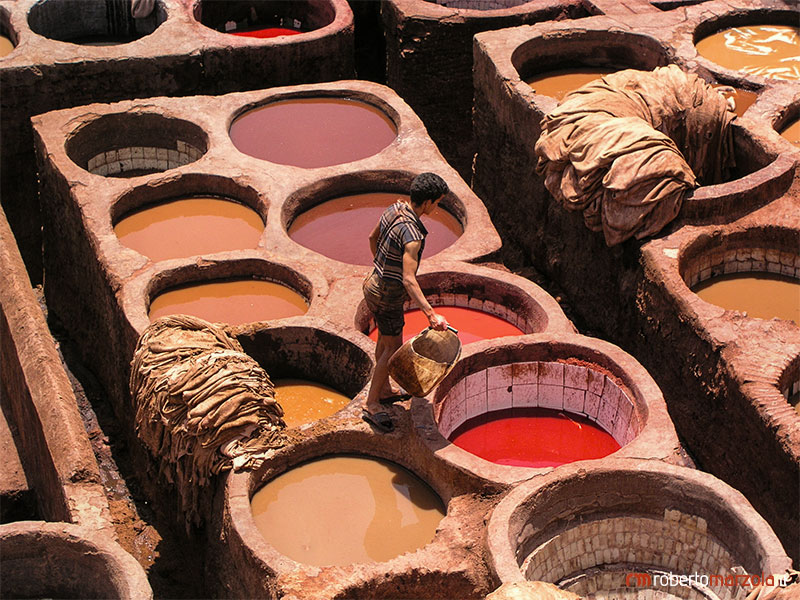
(533, 437)
(313, 132)
(306, 401)
(792, 132)
(341, 510)
(472, 325)
(559, 82)
(234, 301)
(340, 228)
(6, 46)
(190, 227)
(743, 99)
(762, 295)
(767, 50)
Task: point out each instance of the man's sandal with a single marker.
(380, 421)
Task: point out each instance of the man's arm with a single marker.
(373, 238)
(410, 263)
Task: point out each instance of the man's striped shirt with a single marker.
(398, 226)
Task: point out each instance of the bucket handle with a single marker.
(453, 329)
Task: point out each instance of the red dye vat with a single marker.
(340, 228)
(313, 132)
(473, 325)
(533, 437)
(267, 32)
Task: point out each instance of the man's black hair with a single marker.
(427, 186)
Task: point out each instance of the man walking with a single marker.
(397, 242)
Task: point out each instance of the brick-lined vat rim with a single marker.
(656, 437)
(341, 18)
(139, 291)
(185, 185)
(724, 508)
(714, 16)
(38, 544)
(538, 308)
(245, 543)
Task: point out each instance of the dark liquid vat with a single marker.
(340, 228)
(472, 325)
(762, 295)
(190, 227)
(558, 83)
(533, 437)
(313, 132)
(306, 401)
(266, 32)
(342, 510)
(6, 46)
(233, 302)
(792, 132)
(766, 50)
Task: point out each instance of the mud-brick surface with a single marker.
(16, 497)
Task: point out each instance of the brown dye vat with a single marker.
(743, 99)
(6, 46)
(190, 227)
(560, 82)
(340, 228)
(306, 401)
(762, 295)
(766, 50)
(313, 132)
(792, 132)
(341, 510)
(233, 302)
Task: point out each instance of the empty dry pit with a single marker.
(197, 215)
(261, 19)
(599, 531)
(93, 22)
(543, 402)
(756, 272)
(762, 42)
(313, 132)
(305, 365)
(335, 220)
(480, 304)
(61, 560)
(135, 143)
(236, 292)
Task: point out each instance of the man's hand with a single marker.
(437, 322)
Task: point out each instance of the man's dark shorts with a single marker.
(385, 298)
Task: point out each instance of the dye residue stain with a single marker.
(762, 295)
(190, 227)
(6, 46)
(234, 302)
(533, 437)
(306, 401)
(340, 228)
(267, 32)
(472, 325)
(559, 82)
(766, 50)
(313, 132)
(341, 510)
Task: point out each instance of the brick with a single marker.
(576, 377)
(498, 399)
(551, 373)
(525, 395)
(525, 373)
(476, 383)
(476, 405)
(573, 400)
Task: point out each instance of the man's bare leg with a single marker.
(387, 345)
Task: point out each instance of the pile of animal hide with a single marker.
(626, 149)
(202, 405)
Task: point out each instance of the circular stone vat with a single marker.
(742, 99)
(311, 358)
(61, 560)
(765, 49)
(264, 19)
(93, 22)
(757, 272)
(601, 530)
(7, 37)
(341, 510)
(339, 228)
(313, 132)
(789, 384)
(191, 226)
(554, 66)
(235, 298)
(133, 144)
(479, 4)
(789, 124)
(479, 303)
(427, 583)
